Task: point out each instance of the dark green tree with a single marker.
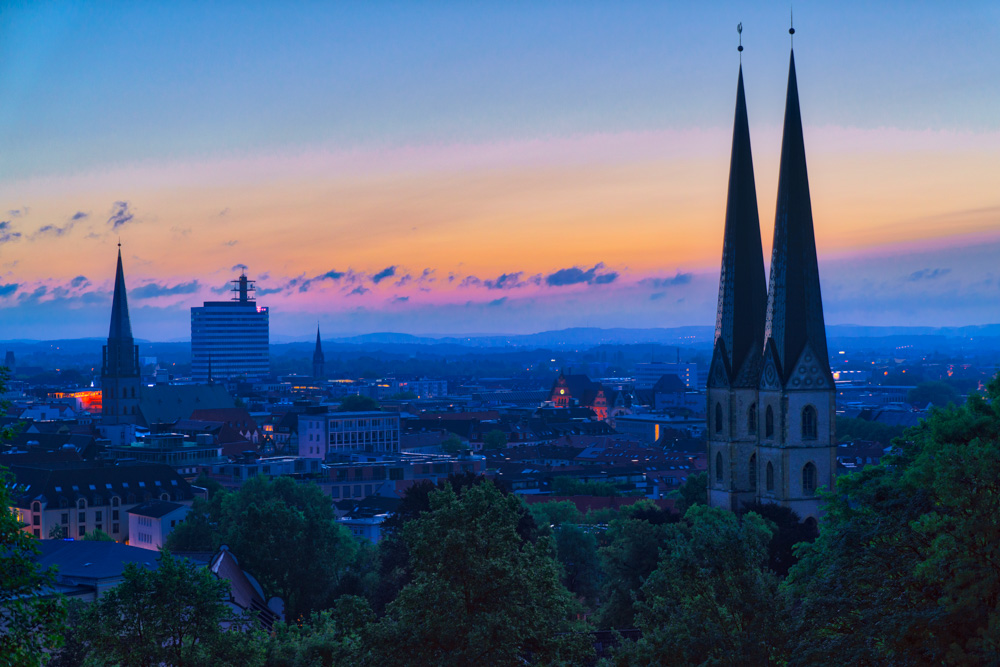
(31, 623)
(284, 533)
(97, 536)
(495, 440)
(172, 615)
(555, 513)
(789, 531)
(712, 600)
(936, 392)
(694, 491)
(330, 638)
(630, 556)
(577, 552)
(480, 594)
(906, 569)
(452, 444)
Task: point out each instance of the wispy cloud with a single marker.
(121, 215)
(79, 281)
(387, 272)
(358, 290)
(8, 289)
(927, 274)
(576, 275)
(154, 290)
(7, 233)
(669, 281)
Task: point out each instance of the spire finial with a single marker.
(739, 31)
(791, 26)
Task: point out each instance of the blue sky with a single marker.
(184, 111)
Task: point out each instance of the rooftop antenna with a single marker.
(791, 26)
(739, 31)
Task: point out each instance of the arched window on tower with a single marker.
(769, 423)
(133, 392)
(753, 472)
(718, 417)
(809, 423)
(752, 419)
(769, 477)
(718, 467)
(124, 392)
(809, 479)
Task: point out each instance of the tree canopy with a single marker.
(480, 594)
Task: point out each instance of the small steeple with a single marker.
(121, 325)
(739, 324)
(318, 358)
(794, 304)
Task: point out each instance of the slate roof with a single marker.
(739, 324)
(166, 403)
(63, 483)
(794, 304)
(154, 509)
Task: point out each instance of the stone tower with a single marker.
(120, 376)
(739, 333)
(797, 400)
(318, 359)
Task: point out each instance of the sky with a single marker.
(483, 167)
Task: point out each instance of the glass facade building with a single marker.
(229, 339)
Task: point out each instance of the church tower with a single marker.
(739, 333)
(318, 359)
(796, 399)
(120, 376)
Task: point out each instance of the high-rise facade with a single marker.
(771, 398)
(229, 339)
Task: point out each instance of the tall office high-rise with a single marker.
(229, 339)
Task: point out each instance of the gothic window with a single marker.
(809, 479)
(809, 423)
(769, 423)
(753, 472)
(770, 477)
(752, 419)
(133, 392)
(718, 467)
(718, 417)
(124, 392)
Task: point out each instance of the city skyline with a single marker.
(501, 172)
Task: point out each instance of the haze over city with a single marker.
(507, 168)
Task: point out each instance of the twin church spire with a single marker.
(770, 395)
(784, 318)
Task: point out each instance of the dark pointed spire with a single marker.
(318, 358)
(739, 325)
(794, 304)
(121, 325)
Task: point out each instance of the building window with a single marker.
(770, 477)
(81, 531)
(335, 492)
(718, 467)
(357, 490)
(114, 515)
(36, 520)
(97, 516)
(65, 518)
(753, 472)
(718, 417)
(809, 479)
(83, 517)
(114, 528)
(752, 419)
(809, 423)
(769, 423)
